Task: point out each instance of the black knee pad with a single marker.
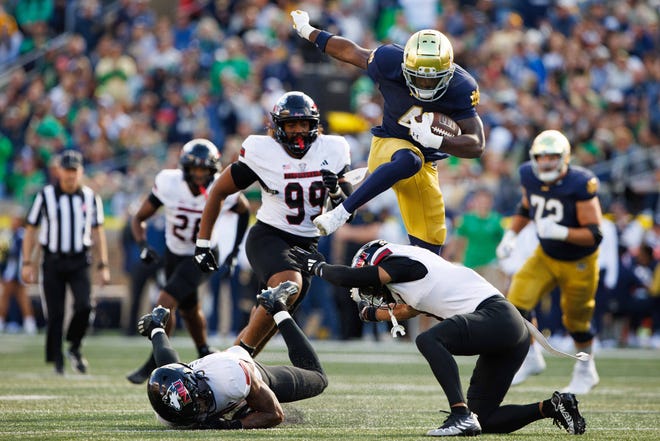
(582, 337)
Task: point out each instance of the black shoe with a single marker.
(205, 350)
(78, 362)
(139, 376)
(458, 425)
(59, 368)
(567, 414)
(268, 298)
(156, 319)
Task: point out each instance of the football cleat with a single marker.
(78, 362)
(533, 364)
(458, 425)
(585, 377)
(280, 294)
(139, 376)
(330, 221)
(155, 319)
(567, 414)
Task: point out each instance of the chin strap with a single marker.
(397, 329)
(538, 336)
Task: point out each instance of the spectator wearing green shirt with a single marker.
(478, 232)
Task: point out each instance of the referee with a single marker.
(69, 219)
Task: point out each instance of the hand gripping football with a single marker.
(442, 125)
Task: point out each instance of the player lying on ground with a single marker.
(228, 389)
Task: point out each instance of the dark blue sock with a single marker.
(423, 244)
(404, 164)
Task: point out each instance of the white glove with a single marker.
(507, 245)
(549, 229)
(301, 23)
(421, 132)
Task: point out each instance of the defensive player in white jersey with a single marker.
(183, 192)
(228, 389)
(298, 168)
(403, 281)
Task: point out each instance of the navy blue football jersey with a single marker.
(385, 70)
(559, 203)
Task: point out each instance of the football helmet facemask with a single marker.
(372, 253)
(428, 64)
(202, 153)
(550, 143)
(180, 395)
(294, 106)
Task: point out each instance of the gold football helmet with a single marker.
(550, 143)
(428, 64)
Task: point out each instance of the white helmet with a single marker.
(550, 142)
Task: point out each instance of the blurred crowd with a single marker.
(134, 81)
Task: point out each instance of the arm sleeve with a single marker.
(242, 175)
(400, 269)
(346, 276)
(403, 269)
(154, 200)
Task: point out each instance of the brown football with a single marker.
(442, 125)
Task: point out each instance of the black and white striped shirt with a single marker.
(66, 220)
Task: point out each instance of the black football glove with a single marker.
(366, 311)
(331, 182)
(307, 262)
(148, 254)
(204, 258)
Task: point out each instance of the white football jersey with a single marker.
(292, 189)
(183, 210)
(448, 289)
(227, 376)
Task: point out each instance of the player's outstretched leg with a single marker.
(146, 324)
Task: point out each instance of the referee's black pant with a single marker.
(58, 272)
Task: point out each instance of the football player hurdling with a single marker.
(299, 169)
(228, 389)
(562, 200)
(392, 282)
(183, 192)
(417, 83)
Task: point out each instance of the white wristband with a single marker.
(203, 243)
(306, 31)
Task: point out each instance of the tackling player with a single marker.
(404, 281)
(562, 200)
(183, 192)
(415, 80)
(298, 169)
(228, 389)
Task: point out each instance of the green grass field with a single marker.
(377, 391)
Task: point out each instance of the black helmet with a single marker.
(372, 253)
(290, 107)
(180, 395)
(199, 152)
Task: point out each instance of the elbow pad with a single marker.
(596, 232)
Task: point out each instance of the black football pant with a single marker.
(58, 272)
(495, 332)
(306, 378)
